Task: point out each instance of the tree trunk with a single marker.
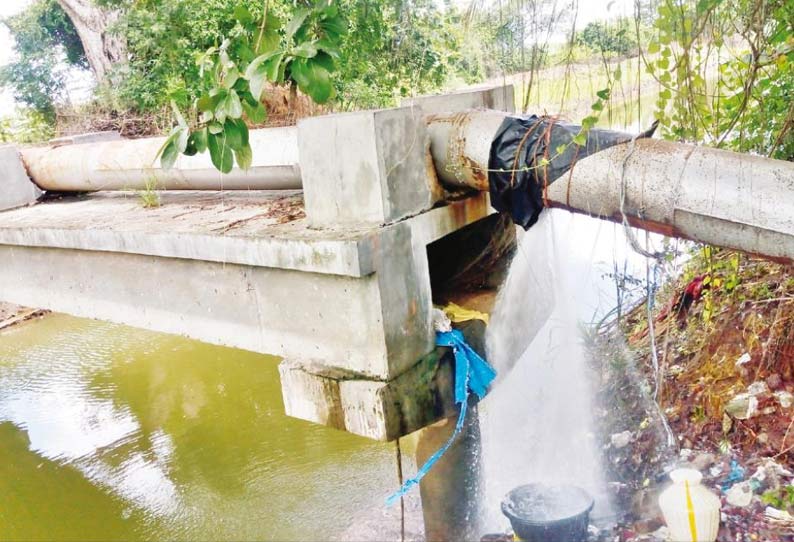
(103, 49)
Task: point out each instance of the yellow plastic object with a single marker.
(691, 511)
(459, 314)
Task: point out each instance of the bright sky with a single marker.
(589, 10)
(595, 10)
(7, 8)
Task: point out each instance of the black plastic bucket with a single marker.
(541, 513)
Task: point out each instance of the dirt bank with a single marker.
(11, 314)
(724, 332)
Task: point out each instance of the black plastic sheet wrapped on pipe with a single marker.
(524, 160)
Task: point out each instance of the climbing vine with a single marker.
(726, 73)
(261, 50)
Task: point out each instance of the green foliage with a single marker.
(26, 126)
(262, 50)
(614, 37)
(393, 48)
(781, 498)
(722, 275)
(400, 48)
(728, 92)
(163, 38)
(149, 196)
(698, 414)
(45, 40)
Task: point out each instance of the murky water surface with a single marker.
(109, 432)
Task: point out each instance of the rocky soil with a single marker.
(724, 336)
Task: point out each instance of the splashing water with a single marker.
(537, 423)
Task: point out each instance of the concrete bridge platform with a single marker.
(335, 278)
(340, 278)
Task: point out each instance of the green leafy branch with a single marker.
(261, 51)
(781, 498)
(588, 123)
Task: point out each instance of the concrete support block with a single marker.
(422, 394)
(364, 167)
(309, 397)
(501, 98)
(378, 410)
(384, 411)
(16, 188)
(405, 299)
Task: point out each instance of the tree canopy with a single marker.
(721, 70)
(45, 39)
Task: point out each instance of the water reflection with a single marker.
(144, 435)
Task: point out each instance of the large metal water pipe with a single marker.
(713, 196)
(124, 164)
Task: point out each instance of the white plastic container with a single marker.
(691, 511)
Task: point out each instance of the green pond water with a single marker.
(109, 432)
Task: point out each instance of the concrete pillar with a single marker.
(450, 491)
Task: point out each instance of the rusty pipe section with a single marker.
(460, 144)
(713, 196)
(126, 164)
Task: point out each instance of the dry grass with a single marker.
(284, 109)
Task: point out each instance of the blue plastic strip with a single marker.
(472, 374)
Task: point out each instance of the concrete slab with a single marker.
(16, 188)
(259, 228)
(242, 269)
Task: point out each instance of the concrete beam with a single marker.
(498, 98)
(81, 139)
(16, 188)
(332, 319)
